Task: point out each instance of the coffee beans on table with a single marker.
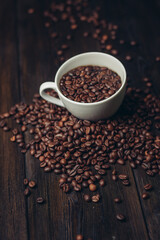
(120, 217)
(89, 84)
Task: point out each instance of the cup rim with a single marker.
(93, 103)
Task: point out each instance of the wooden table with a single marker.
(28, 58)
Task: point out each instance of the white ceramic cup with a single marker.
(89, 111)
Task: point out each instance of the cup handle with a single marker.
(47, 97)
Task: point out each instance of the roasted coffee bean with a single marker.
(25, 181)
(126, 182)
(96, 78)
(121, 161)
(96, 198)
(6, 128)
(40, 200)
(27, 192)
(120, 217)
(77, 187)
(102, 183)
(84, 184)
(148, 187)
(47, 169)
(117, 200)
(79, 237)
(32, 184)
(92, 187)
(114, 177)
(13, 139)
(87, 198)
(2, 123)
(122, 176)
(145, 196)
(23, 128)
(66, 187)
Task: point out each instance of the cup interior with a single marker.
(91, 58)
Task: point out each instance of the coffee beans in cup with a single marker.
(89, 84)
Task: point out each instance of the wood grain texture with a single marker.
(13, 219)
(27, 59)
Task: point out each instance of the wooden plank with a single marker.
(13, 220)
(141, 26)
(37, 66)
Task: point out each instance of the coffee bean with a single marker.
(126, 182)
(145, 195)
(84, 184)
(27, 192)
(92, 187)
(13, 139)
(25, 181)
(23, 128)
(120, 217)
(77, 188)
(47, 169)
(30, 10)
(114, 178)
(117, 200)
(96, 198)
(122, 176)
(148, 187)
(102, 183)
(87, 198)
(32, 184)
(40, 200)
(79, 237)
(66, 187)
(128, 57)
(133, 43)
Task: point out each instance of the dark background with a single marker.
(28, 58)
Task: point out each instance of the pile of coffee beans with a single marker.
(82, 152)
(89, 84)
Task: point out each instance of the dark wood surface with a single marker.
(27, 59)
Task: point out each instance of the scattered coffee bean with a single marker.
(23, 128)
(87, 198)
(6, 128)
(25, 181)
(30, 10)
(122, 176)
(92, 187)
(148, 187)
(79, 237)
(117, 200)
(126, 182)
(27, 192)
(157, 59)
(133, 43)
(114, 178)
(145, 196)
(40, 200)
(96, 198)
(32, 184)
(120, 217)
(128, 57)
(102, 182)
(13, 139)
